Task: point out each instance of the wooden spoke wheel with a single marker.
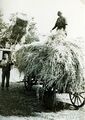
(77, 99)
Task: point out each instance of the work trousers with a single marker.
(7, 76)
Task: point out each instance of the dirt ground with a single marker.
(18, 104)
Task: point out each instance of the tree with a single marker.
(15, 31)
(3, 27)
(2, 23)
(32, 32)
(17, 28)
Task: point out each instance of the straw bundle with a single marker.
(56, 62)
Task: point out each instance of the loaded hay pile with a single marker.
(56, 62)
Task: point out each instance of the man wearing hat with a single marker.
(60, 23)
(6, 67)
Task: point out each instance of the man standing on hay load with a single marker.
(60, 23)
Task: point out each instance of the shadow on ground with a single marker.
(19, 102)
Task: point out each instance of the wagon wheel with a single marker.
(77, 99)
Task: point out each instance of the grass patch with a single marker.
(19, 102)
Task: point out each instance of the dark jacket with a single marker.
(7, 67)
(60, 23)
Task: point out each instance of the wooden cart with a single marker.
(77, 99)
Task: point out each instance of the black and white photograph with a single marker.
(42, 59)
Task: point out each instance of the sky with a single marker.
(45, 13)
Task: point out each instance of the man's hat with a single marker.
(59, 13)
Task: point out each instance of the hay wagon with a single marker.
(57, 65)
(57, 69)
(77, 99)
